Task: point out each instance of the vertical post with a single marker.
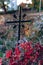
(19, 24)
(40, 6)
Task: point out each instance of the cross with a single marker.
(19, 21)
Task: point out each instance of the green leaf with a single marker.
(1, 54)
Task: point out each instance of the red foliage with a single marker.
(22, 58)
(8, 53)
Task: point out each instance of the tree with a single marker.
(36, 4)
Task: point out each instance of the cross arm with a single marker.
(10, 22)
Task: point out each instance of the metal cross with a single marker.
(10, 22)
